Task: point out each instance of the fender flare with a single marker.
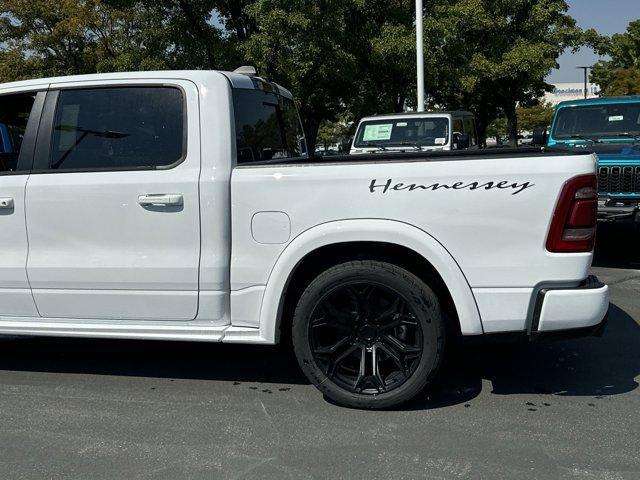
(367, 230)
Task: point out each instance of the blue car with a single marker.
(610, 127)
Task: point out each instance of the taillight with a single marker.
(573, 227)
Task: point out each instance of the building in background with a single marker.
(570, 91)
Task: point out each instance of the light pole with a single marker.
(419, 56)
(586, 71)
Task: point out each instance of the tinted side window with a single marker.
(267, 126)
(14, 114)
(457, 126)
(118, 128)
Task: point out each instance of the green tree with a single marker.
(181, 34)
(534, 117)
(333, 132)
(624, 81)
(619, 75)
(531, 118)
(382, 39)
(237, 22)
(41, 38)
(342, 59)
(354, 56)
(302, 45)
(497, 128)
(44, 38)
(497, 53)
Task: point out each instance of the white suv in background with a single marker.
(417, 131)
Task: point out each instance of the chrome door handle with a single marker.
(6, 203)
(165, 199)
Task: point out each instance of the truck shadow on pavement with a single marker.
(592, 367)
(183, 360)
(589, 367)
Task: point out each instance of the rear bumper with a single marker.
(582, 309)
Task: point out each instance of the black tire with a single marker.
(349, 304)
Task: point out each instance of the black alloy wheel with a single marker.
(365, 337)
(368, 334)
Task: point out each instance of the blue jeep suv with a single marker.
(610, 127)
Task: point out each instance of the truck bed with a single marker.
(490, 210)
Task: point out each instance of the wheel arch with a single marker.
(331, 243)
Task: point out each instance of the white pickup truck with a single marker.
(182, 206)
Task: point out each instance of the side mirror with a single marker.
(539, 137)
(462, 141)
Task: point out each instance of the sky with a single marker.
(607, 17)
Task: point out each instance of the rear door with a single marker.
(112, 202)
(19, 116)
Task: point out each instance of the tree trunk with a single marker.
(238, 19)
(398, 104)
(481, 125)
(512, 123)
(311, 126)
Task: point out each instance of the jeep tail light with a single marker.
(573, 227)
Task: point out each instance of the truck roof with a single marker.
(237, 80)
(599, 101)
(430, 113)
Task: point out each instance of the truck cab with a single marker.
(610, 127)
(415, 131)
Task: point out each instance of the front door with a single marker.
(19, 116)
(112, 203)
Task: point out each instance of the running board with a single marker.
(199, 332)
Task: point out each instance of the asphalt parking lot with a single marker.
(87, 409)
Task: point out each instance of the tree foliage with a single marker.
(355, 56)
(496, 54)
(342, 59)
(44, 38)
(621, 74)
(302, 45)
(624, 81)
(530, 118)
(535, 117)
(383, 41)
(332, 132)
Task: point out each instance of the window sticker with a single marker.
(616, 118)
(401, 124)
(377, 132)
(440, 141)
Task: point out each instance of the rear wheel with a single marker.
(368, 334)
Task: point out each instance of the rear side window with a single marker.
(14, 114)
(267, 126)
(118, 128)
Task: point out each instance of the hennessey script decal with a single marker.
(387, 186)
